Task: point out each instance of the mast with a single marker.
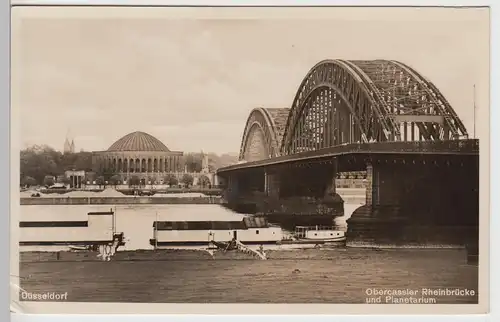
(112, 221)
(156, 231)
(474, 131)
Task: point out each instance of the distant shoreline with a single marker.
(118, 200)
(49, 201)
(349, 195)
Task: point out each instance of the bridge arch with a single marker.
(340, 102)
(263, 134)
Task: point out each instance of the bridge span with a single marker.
(382, 117)
(363, 151)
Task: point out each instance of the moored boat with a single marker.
(251, 232)
(318, 235)
(96, 234)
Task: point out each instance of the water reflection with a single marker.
(341, 222)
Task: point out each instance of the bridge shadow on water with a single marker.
(372, 226)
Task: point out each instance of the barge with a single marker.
(96, 234)
(250, 231)
(254, 233)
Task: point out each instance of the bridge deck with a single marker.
(451, 147)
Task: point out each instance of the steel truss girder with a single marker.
(378, 95)
(261, 119)
(447, 111)
(404, 91)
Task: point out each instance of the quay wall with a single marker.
(130, 191)
(349, 195)
(119, 200)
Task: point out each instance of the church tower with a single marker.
(69, 147)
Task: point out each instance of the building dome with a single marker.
(138, 141)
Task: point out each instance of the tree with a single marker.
(40, 160)
(100, 181)
(90, 176)
(115, 180)
(48, 181)
(170, 179)
(83, 161)
(28, 181)
(187, 179)
(134, 181)
(203, 181)
(223, 160)
(193, 162)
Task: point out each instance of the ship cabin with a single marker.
(318, 233)
(98, 229)
(250, 230)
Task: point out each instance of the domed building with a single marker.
(137, 154)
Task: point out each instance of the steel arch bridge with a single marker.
(352, 101)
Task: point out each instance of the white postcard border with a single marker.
(288, 309)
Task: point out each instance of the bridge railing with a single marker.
(413, 146)
(451, 146)
(471, 146)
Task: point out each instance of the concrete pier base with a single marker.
(293, 211)
(388, 227)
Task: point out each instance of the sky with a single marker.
(191, 79)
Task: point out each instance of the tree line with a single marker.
(39, 164)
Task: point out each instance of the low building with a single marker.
(76, 178)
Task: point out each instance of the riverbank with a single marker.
(118, 191)
(349, 195)
(132, 200)
(201, 254)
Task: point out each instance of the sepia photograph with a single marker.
(203, 155)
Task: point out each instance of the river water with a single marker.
(136, 221)
(306, 276)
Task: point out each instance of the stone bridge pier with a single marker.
(424, 200)
(271, 184)
(292, 194)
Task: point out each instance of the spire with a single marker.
(69, 147)
(69, 135)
